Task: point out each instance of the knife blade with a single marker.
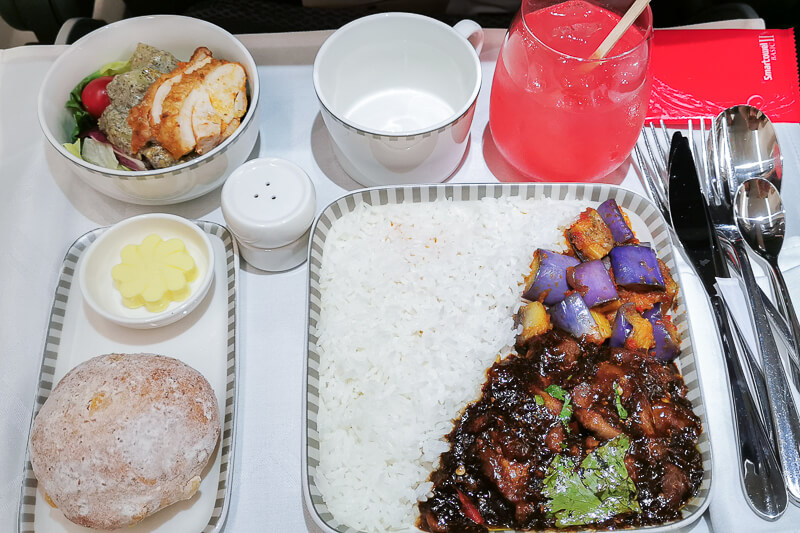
(760, 472)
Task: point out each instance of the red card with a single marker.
(699, 73)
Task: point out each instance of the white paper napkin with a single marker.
(729, 510)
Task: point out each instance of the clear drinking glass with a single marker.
(555, 113)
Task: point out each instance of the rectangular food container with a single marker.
(210, 339)
(643, 214)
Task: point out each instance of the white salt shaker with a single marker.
(269, 205)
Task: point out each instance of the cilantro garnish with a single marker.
(538, 399)
(556, 392)
(597, 491)
(623, 414)
(566, 411)
(560, 394)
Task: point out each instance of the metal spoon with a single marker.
(748, 148)
(762, 223)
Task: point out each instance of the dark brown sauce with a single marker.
(502, 445)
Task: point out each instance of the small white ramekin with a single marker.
(97, 285)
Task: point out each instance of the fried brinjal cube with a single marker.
(590, 237)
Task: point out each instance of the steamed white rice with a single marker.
(417, 301)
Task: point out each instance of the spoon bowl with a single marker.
(748, 147)
(762, 223)
(760, 217)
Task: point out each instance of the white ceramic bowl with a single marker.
(116, 42)
(94, 270)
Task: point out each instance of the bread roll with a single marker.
(122, 436)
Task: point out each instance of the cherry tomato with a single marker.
(94, 96)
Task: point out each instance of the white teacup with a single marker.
(397, 93)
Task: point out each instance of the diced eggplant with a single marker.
(665, 336)
(631, 329)
(636, 267)
(573, 316)
(621, 329)
(590, 236)
(592, 280)
(547, 281)
(616, 222)
(534, 320)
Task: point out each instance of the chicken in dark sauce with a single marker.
(493, 475)
(587, 423)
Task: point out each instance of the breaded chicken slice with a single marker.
(203, 108)
(145, 118)
(194, 108)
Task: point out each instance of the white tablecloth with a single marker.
(44, 208)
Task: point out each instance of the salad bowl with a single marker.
(116, 42)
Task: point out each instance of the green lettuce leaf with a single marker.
(74, 148)
(89, 148)
(83, 120)
(114, 68)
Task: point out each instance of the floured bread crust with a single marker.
(122, 436)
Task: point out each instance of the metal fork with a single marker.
(786, 421)
(652, 161)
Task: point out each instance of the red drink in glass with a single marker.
(557, 115)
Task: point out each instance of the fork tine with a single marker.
(665, 150)
(651, 179)
(698, 154)
(647, 172)
(659, 158)
(705, 176)
(715, 188)
(666, 139)
(704, 140)
(692, 147)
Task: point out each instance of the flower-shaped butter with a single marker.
(154, 273)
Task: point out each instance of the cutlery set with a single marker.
(720, 200)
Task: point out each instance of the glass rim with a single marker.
(646, 36)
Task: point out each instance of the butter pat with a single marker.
(154, 273)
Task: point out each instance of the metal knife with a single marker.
(760, 472)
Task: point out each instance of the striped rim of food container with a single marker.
(27, 508)
(633, 204)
